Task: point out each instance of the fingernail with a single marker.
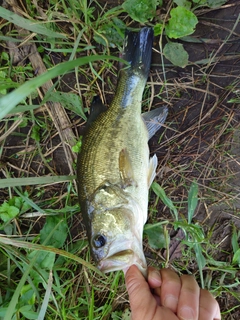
(186, 313)
(170, 302)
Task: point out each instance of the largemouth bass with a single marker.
(114, 171)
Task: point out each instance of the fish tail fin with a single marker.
(137, 50)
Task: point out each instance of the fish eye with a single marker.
(99, 241)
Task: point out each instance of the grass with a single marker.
(45, 267)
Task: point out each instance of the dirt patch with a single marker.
(201, 142)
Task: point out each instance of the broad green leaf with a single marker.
(26, 311)
(57, 227)
(8, 102)
(158, 29)
(70, 101)
(37, 27)
(28, 296)
(155, 235)
(44, 260)
(5, 56)
(199, 2)
(77, 147)
(159, 191)
(8, 212)
(176, 53)
(181, 23)
(31, 315)
(192, 201)
(6, 83)
(215, 3)
(126, 315)
(35, 134)
(184, 3)
(141, 10)
(20, 203)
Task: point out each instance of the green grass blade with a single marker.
(32, 26)
(192, 201)
(33, 246)
(16, 182)
(29, 201)
(14, 300)
(159, 191)
(23, 108)
(11, 308)
(8, 102)
(200, 261)
(44, 306)
(236, 258)
(235, 238)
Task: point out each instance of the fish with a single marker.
(114, 167)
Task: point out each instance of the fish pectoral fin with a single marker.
(154, 120)
(153, 162)
(125, 169)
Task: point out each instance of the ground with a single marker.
(199, 142)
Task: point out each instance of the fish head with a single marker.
(116, 239)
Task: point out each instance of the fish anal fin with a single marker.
(153, 162)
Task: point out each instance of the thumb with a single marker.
(143, 304)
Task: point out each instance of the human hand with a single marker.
(166, 296)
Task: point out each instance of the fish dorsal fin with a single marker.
(153, 162)
(154, 120)
(96, 108)
(125, 169)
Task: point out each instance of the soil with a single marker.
(210, 155)
(202, 137)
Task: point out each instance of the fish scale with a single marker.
(100, 151)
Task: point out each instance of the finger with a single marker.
(154, 278)
(143, 304)
(217, 315)
(208, 306)
(169, 290)
(188, 304)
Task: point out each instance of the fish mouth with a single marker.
(122, 260)
(122, 253)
